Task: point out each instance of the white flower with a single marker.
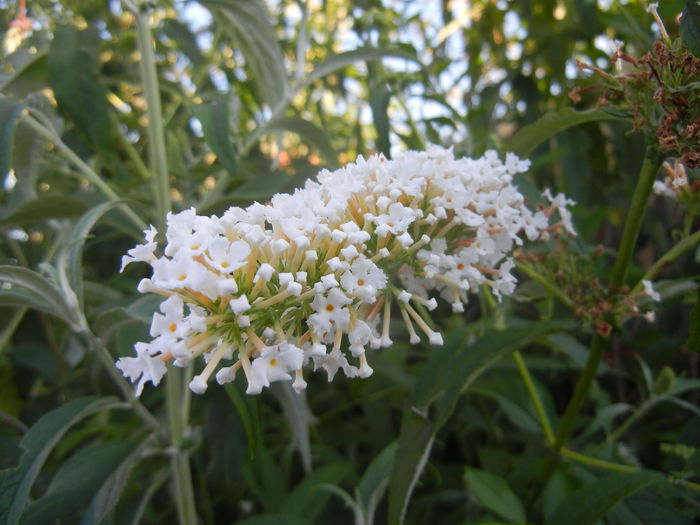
(142, 366)
(649, 290)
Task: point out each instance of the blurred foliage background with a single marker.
(256, 97)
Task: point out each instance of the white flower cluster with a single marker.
(275, 286)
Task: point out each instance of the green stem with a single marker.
(156, 132)
(534, 397)
(49, 134)
(617, 467)
(107, 361)
(630, 233)
(685, 244)
(549, 286)
(180, 463)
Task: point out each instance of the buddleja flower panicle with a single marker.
(313, 276)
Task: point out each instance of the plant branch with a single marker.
(47, 132)
(155, 129)
(685, 244)
(630, 233)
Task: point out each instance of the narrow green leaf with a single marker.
(42, 290)
(693, 341)
(247, 410)
(307, 500)
(10, 111)
(24, 298)
(43, 208)
(248, 21)
(138, 310)
(111, 489)
(451, 370)
(76, 481)
(15, 483)
(495, 494)
(71, 253)
(214, 117)
(590, 503)
(531, 136)
(690, 27)
(363, 54)
(310, 133)
(376, 475)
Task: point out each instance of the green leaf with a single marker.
(451, 370)
(42, 291)
(71, 253)
(76, 481)
(74, 77)
(528, 138)
(110, 490)
(379, 104)
(690, 27)
(248, 21)
(214, 117)
(24, 298)
(590, 503)
(376, 475)
(45, 207)
(139, 310)
(372, 486)
(309, 132)
(495, 494)
(343, 60)
(248, 411)
(274, 519)
(15, 483)
(693, 341)
(307, 500)
(31, 76)
(10, 111)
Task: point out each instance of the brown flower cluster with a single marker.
(662, 95)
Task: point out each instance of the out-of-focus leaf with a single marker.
(307, 500)
(531, 136)
(20, 297)
(42, 291)
(45, 207)
(27, 154)
(363, 54)
(10, 111)
(590, 503)
(274, 519)
(79, 93)
(310, 133)
(449, 372)
(179, 32)
(214, 117)
(249, 23)
(379, 103)
(76, 481)
(16, 483)
(693, 341)
(495, 494)
(30, 77)
(690, 26)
